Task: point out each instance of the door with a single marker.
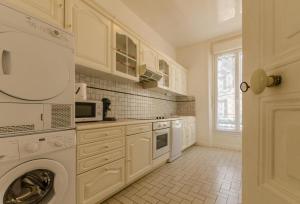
(125, 53)
(96, 185)
(271, 140)
(138, 155)
(49, 10)
(92, 37)
(148, 57)
(36, 181)
(30, 61)
(164, 68)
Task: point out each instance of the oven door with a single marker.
(161, 142)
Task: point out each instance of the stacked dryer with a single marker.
(37, 136)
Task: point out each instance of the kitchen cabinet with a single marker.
(92, 32)
(138, 155)
(183, 81)
(100, 163)
(125, 53)
(98, 184)
(179, 77)
(164, 69)
(52, 11)
(148, 57)
(189, 131)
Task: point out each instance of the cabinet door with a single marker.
(98, 184)
(173, 77)
(138, 155)
(164, 68)
(125, 54)
(178, 79)
(148, 57)
(92, 37)
(193, 130)
(183, 81)
(51, 11)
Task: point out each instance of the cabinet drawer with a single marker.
(99, 160)
(95, 135)
(96, 185)
(139, 128)
(84, 151)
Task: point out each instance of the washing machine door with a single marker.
(41, 181)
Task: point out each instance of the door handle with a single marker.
(259, 81)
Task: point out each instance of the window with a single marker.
(228, 98)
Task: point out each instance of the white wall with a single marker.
(198, 58)
(122, 13)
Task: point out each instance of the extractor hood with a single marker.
(148, 76)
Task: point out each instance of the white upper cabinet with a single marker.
(148, 57)
(183, 81)
(164, 69)
(52, 11)
(178, 76)
(125, 53)
(92, 36)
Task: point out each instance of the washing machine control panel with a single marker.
(31, 145)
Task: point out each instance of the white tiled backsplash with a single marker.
(130, 100)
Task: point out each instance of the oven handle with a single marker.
(162, 131)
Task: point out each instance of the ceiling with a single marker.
(185, 22)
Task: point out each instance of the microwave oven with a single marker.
(88, 111)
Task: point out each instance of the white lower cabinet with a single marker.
(100, 183)
(189, 131)
(138, 155)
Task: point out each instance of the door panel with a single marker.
(50, 10)
(271, 162)
(148, 57)
(29, 73)
(96, 185)
(92, 37)
(138, 155)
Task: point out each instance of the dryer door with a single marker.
(31, 67)
(39, 181)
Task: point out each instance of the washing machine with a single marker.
(38, 168)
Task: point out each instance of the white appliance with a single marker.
(176, 139)
(37, 75)
(39, 168)
(88, 111)
(81, 91)
(161, 138)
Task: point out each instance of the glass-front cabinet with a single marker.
(164, 69)
(125, 54)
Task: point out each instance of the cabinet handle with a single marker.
(112, 170)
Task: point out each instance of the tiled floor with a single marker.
(202, 176)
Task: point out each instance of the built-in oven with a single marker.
(161, 138)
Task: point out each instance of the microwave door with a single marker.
(85, 110)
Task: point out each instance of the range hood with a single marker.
(148, 76)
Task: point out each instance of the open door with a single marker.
(271, 127)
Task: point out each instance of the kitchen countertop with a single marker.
(121, 122)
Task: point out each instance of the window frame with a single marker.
(238, 96)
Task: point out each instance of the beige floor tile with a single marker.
(201, 176)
